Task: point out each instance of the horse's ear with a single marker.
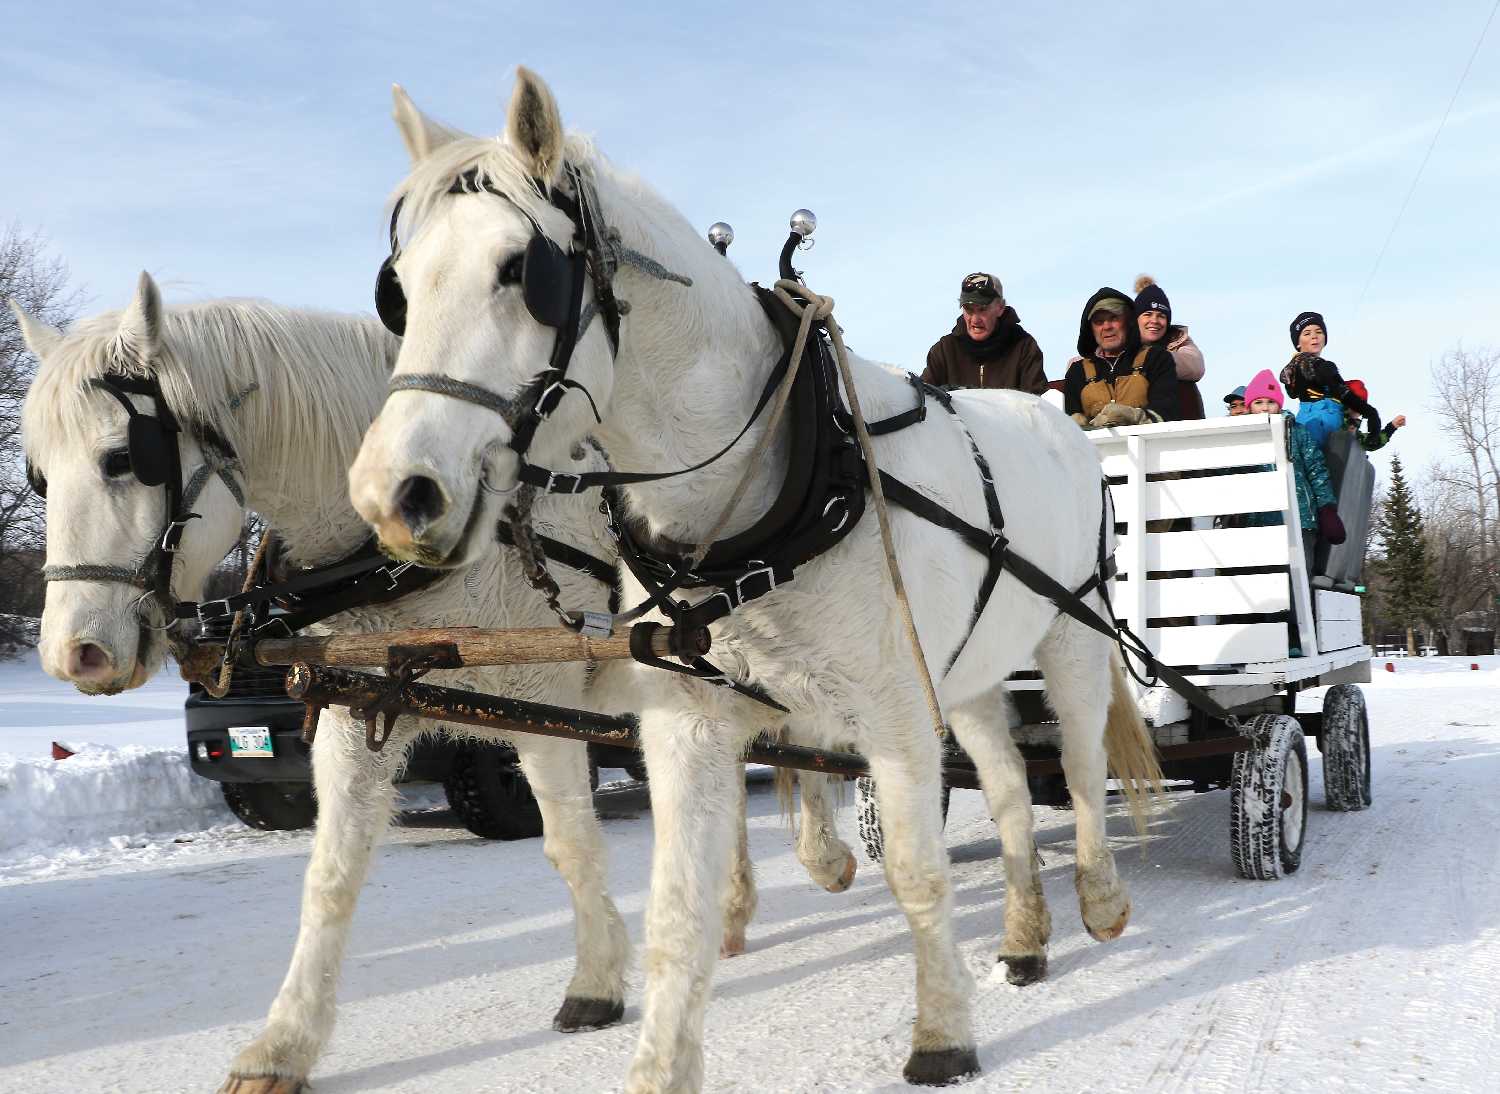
(139, 334)
(39, 337)
(421, 135)
(534, 128)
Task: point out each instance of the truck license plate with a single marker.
(250, 743)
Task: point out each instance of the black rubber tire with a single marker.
(272, 807)
(1268, 799)
(867, 810)
(488, 793)
(1346, 749)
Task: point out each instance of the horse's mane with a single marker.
(299, 379)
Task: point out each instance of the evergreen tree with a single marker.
(1409, 593)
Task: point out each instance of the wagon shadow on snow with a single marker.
(1256, 927)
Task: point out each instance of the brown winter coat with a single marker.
(1008, 358)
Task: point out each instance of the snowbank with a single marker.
(100, 795)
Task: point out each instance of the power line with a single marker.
(1423, 165)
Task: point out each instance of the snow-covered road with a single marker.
(1376, 967)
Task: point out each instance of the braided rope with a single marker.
(456, 389)
(93, 572)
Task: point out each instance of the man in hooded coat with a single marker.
(1117, 380)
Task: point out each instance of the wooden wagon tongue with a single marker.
(408, 655)
(320, 677)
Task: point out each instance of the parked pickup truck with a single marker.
(250, 743)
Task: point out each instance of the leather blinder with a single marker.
(149, 459)
(545, 282)
(390, 298)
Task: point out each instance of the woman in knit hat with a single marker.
(1153, 313)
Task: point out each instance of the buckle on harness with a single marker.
(171, 537)
(742, 594)
(555, 481)
(212, 609)
(546, 403)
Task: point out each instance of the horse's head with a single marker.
(111, 482)
(489, 287)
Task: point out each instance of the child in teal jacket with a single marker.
(1317, 507)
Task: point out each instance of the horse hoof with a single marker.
(941, 1067)
(1114, 930)
(262, 1084)
(846, 878)
(1023, 969)
(577, 1015)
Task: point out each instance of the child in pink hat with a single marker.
(1316, 505)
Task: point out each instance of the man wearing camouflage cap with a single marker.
(987, 347)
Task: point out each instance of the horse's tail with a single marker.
(786, 795)
(1131, 748)
(786, 784)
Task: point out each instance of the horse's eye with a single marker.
(116, 463)
(510, 270)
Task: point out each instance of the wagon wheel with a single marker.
(867, 810)
(1346, 749)
(1268, 799)
(488, 793)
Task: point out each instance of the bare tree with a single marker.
(37, 282)
(1464, 497)
(1459, 556)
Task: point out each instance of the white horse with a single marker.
(690, 365)
(293, 391)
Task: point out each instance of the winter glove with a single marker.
(1329, 525)
(1119, 414)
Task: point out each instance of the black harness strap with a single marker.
(603, 572)
(364, 577)
(564, 482)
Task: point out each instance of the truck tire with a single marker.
(1268, 799)
(488, 793)
(271, 807)
(1346, 749)
(867, 810)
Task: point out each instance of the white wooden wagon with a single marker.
(1213, 596)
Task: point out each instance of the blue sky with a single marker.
(1251, 157)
